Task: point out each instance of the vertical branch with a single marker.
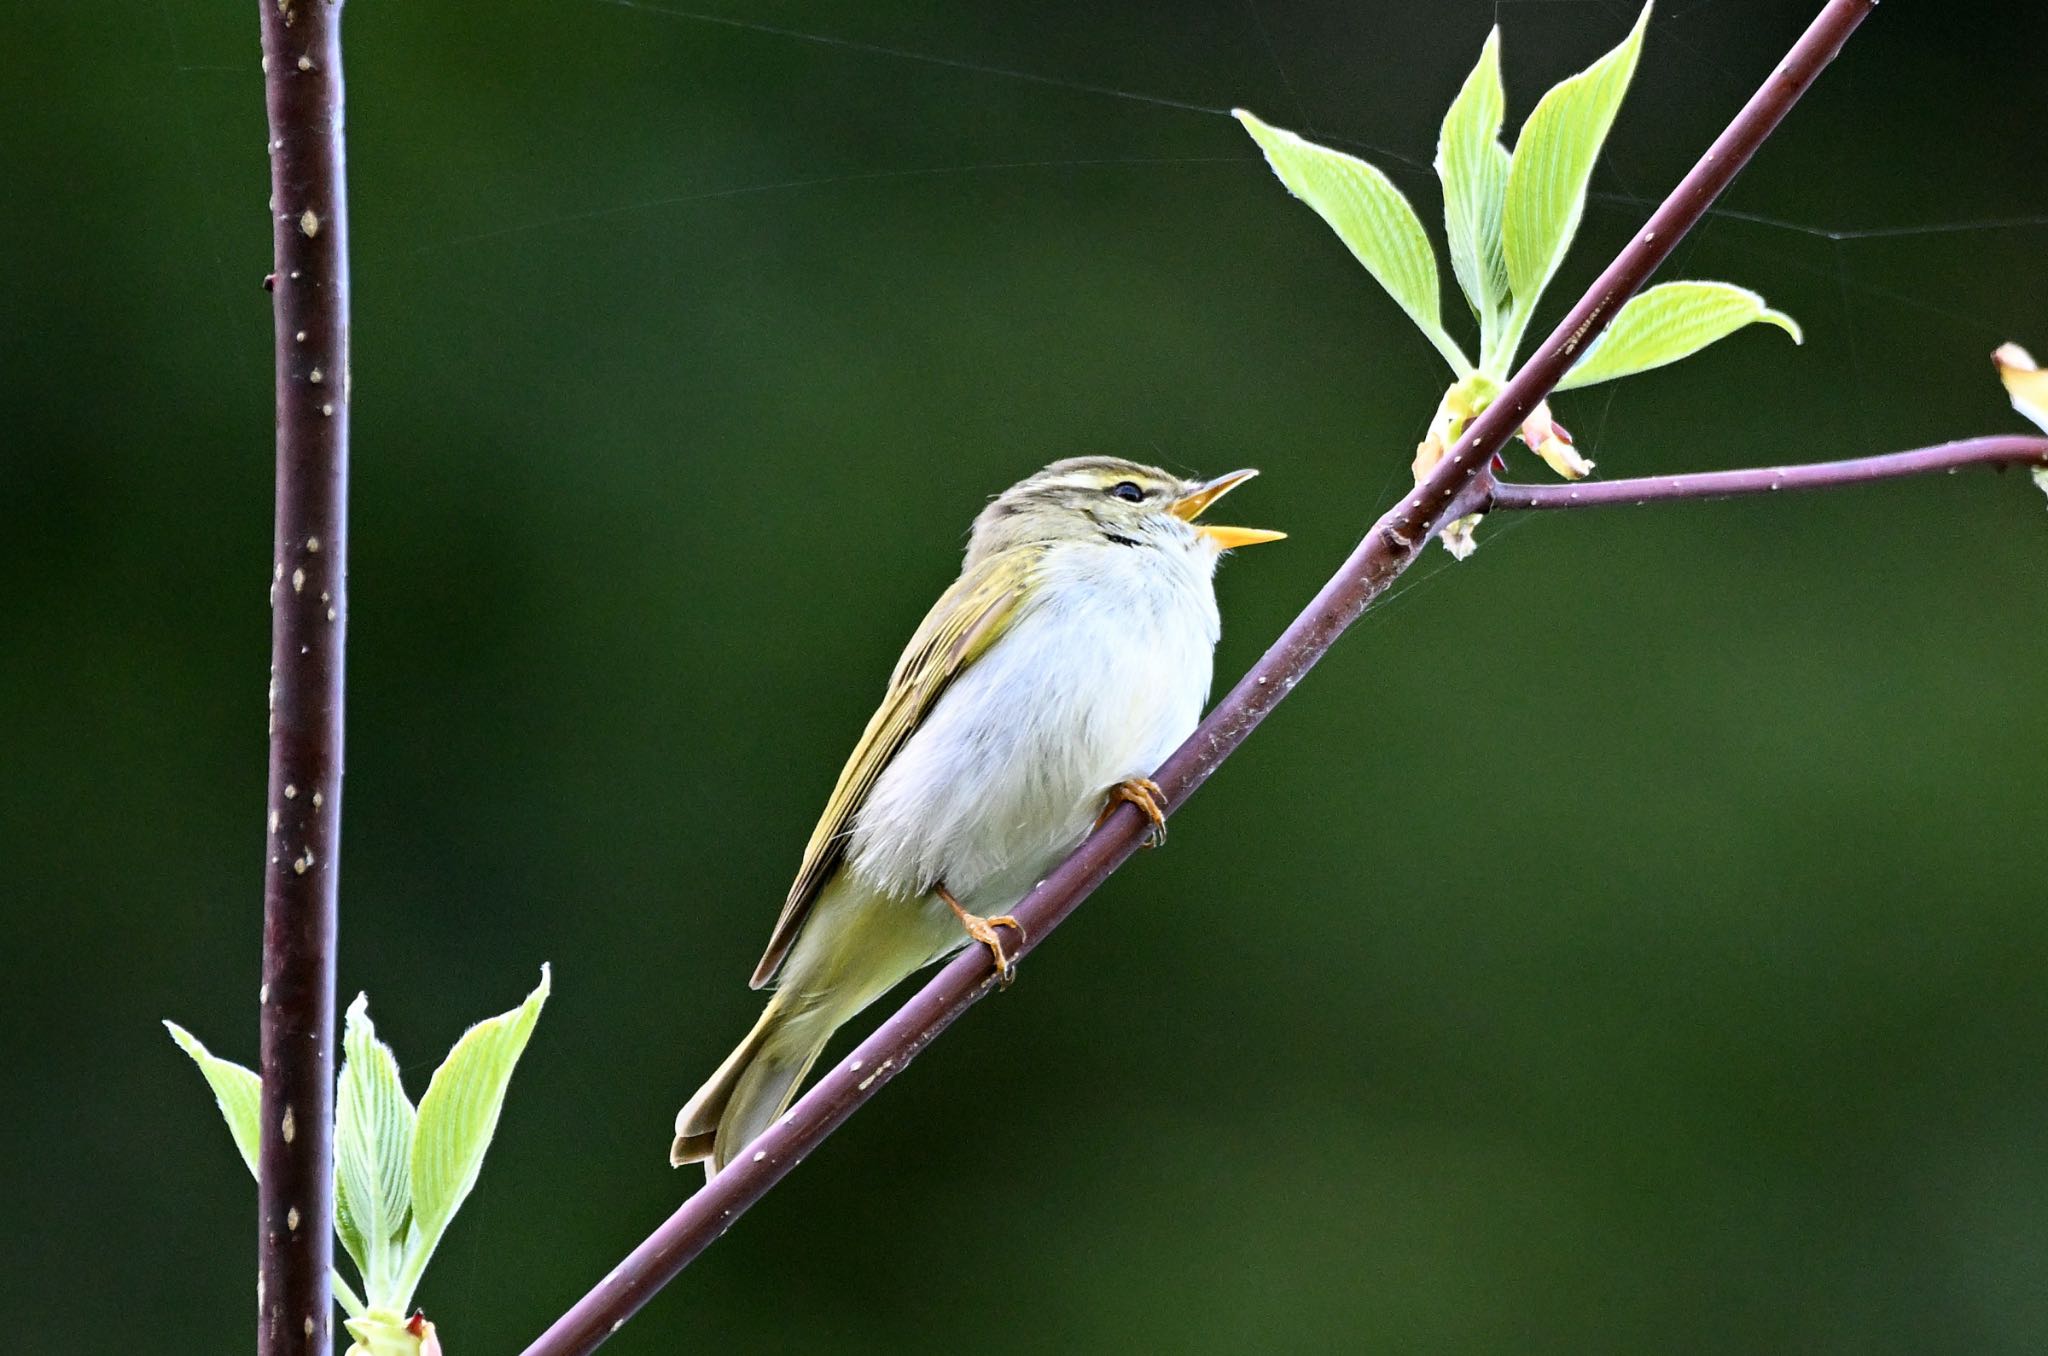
(309, 217)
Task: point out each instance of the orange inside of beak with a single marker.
(1189, 507)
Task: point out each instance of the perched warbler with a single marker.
(1069, 658)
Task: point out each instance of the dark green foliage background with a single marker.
(1630, 941)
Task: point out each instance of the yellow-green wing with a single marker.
(967, 619)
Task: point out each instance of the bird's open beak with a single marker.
(1190, 505)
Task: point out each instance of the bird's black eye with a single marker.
(1128, 491)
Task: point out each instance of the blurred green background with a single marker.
(1629, 941)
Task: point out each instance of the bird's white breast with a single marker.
(1102, 676)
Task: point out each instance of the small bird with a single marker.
(1072, 655)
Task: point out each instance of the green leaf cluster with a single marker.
(400, 1171)
(1509, 220)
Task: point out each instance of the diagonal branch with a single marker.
(1486, 495)
(308, 202)
(1388, 548)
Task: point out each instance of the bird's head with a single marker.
(1108, 500)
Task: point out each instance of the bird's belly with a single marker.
(1009, 770)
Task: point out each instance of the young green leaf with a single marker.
(354, 1236)
(457, 1117)
(1473, 166)
(1370, 216)
(373, 1133)
(1553, 160)
(238, 1090)
(1671, 321)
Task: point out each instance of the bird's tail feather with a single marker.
(756, 1084)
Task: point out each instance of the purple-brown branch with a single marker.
(308, 599)
(1388, 549)
(1486, 495)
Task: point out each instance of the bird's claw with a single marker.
(1006, 973)
(983, 930)
(1144, 793)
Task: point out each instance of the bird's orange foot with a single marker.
(983, 930)
(1144, 793)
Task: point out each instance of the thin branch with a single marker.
(308, 206)
(1388, 549)
(1486, 495)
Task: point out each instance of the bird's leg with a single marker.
(1144, 793)
(983, 930)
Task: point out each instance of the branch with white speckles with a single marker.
(309, 295)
